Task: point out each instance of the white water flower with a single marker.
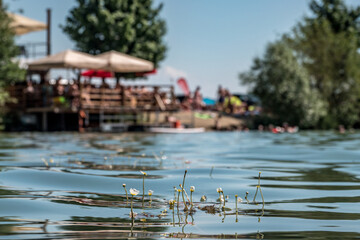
(239, 199)
(219, 190)
(132, 214)
(144, 173)
(192, 189)
(203, 198)
(134, 192)
(150, 192)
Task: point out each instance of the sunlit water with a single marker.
(69, 186)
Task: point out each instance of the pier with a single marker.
(90, 108)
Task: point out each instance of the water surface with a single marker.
(69, 185)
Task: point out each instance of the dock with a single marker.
(90, 108)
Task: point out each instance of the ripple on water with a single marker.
(69, 185)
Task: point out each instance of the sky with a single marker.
(209, 41)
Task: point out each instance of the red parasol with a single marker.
(97, 73)
(141, 74)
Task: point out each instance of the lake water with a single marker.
(69, 185)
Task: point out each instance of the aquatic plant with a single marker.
(192, 189)
(182, 187)
(144, 175)
(246, 197)
(133, 193)
(219, 190)
(45, 162)
(182, 193)
(258, 188)
(150, 192)
(189, 205)
(236, 201)
(124, 186)
(171, 203)
(223, 197)
(178, 196)
(175, 192)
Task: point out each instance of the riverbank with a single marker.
(206, 119)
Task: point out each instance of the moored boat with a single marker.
(175, 130)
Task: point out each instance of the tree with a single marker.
(323, 52)
(283, 86)
(9, 69)
(129, 26)
(332, 60)
(340, 17)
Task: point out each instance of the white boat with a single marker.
(175, 130)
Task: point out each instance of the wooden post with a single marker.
(156, 92)
(173, 97)
(44, 121)
(122, 93)
(48, 31)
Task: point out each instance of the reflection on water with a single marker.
(69, 186)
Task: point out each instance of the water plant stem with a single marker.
(191, 201)
(257, 187)
(262, 196)
(182, 191)
(224, 199)
(127, 198)
(131, 205)
(178, 196)
(236, 201)
(173, 215)
(183, 186)
(143, 190)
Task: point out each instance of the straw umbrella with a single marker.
(22, 25)
(122, 63)
(68, 59)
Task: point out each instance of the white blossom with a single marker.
(134, 192)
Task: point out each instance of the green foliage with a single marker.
(9, 69)
(283, 87)
(340, 17)
(129, 26)
(332, 61)
(314, 71)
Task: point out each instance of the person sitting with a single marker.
(29, 92)
(85, 95)
(197, 99)
(186, 103)
(232, 104)
(73, 94)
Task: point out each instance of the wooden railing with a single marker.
(149, 97)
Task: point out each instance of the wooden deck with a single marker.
(91, 102)
(153, 98)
